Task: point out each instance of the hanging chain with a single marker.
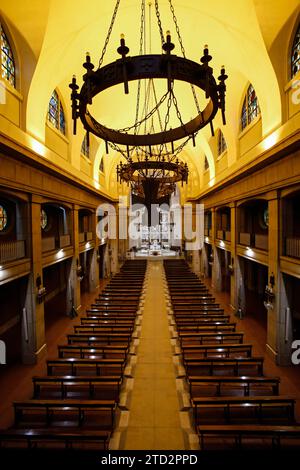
(141, 52)
(159, 23)
(109, 33)
(183, 52)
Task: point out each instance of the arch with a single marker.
(8, 65)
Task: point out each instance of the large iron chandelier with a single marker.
(150, 149)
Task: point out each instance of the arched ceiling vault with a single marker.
(60, 33)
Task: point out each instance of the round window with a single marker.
(44, 219)
(3, 218)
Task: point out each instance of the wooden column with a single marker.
(274, 314)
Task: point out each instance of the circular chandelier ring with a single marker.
(148, 67)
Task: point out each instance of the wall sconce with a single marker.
(269, 294)
(41, 291)
(231, 267)
(211, 259)
(78, 268)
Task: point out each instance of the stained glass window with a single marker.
(206, 164)
(295, 57)
(250, 109)
(3, 219)
(56, 113)
(44, 219)
(85, 149)
(8, 71)
(101, 167)
(222, 146)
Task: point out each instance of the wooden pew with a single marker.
(196, 310)
(108, 387)
(104, 311)
(240, 433)
(216, 337)
(231, 406)
(225, 366)
(35, 438)
(113, 316)
(223, 385)
(190, 352)
(95, 328)
(213, 326)
(107, 352)
(99, 338)
(107, 321)
(80, 410)
(201, 319)
(93, 366)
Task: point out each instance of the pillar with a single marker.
(74, 279)
(233, 260)
(274, 317)
(33, 323)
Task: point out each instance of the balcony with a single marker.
(220, 234)
(261, 241)
(11, 251)
(85, 237)
(227, 236)
(48, 244)
(254, 240)
(292, 247)
(64, 240)
(245, 238)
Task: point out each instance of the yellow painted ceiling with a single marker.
(238, 32)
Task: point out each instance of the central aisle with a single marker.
(154, 422)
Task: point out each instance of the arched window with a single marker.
(85, 148)
(101, 166)
(250, 109)
(222, 146)
(56, 113)
(295, 56)
(206, 164)
(8, 71)
(3, 218)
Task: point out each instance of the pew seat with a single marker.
(251, 434)
(226, 385)
(53, 438)
(244, 409)
(91, 366)
(94, 387)
(65, 413)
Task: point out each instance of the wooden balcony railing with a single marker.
(261, 241)
(245, 238)
(227, 236)
(64, 240)
(292, 247)
(220, 234)
(10, 251)
(48, 244)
